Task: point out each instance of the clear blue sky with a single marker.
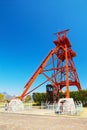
(26, 37)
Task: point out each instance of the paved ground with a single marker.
(17, 121)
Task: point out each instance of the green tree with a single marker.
(2, 97)
(27, 98)
(39, 97)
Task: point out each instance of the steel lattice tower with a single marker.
(58, 68)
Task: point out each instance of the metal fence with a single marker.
(58, 110)
(54, 108)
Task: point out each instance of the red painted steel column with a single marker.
(67, 80)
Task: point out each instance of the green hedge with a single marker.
(39, 97)
(76, 95)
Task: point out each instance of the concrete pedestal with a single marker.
(66, 106)
(15, 105)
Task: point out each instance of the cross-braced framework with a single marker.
(58, 68)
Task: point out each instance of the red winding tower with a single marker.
(58, 68)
